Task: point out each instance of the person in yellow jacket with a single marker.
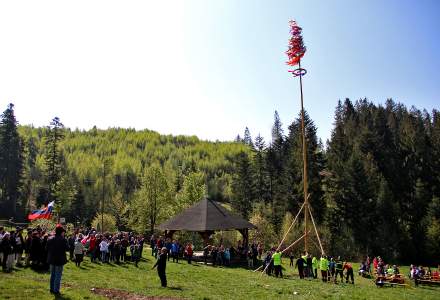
(323, 265)
(276, 257)
(315, 267)
(304, 257)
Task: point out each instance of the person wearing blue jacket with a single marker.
(175, 251)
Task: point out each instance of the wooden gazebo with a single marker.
(206, 217)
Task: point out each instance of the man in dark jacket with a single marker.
(161, 264)
(300, 265)
(56, 258)
(71, 242)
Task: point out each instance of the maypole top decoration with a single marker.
(296, 48)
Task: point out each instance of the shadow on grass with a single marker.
(175, 288)
(39, 270)
(62, 297)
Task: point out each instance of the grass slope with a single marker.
(193, 282)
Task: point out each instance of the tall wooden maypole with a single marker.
(295, 52)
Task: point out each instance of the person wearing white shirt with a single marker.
(103, 246)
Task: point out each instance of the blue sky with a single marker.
(210, 68)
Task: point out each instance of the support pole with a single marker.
(288, 230)
(316, 232)
(305, 188)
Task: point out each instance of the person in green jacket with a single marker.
(276, 257)
(323, 265)
(315, 267)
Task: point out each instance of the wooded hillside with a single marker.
(374, 187)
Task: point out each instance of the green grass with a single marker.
(194, 282)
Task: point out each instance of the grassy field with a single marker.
(191, 282)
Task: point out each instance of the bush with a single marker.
(265, 232)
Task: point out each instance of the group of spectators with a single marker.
(106, 248)
(173, 248)
(12, 245)
(216, 255)
(219, 255)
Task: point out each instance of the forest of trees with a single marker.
(374, 187)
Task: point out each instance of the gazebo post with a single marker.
(245, 233)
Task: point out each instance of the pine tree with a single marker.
(294, 167)
(261, 175)
(54, 156)
(276, 156)
(247, 139)
(242, 186)
(11, 163)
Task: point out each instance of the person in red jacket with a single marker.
(348, 268)
(189, 252)
(92, 247)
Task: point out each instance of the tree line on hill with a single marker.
(374, 188)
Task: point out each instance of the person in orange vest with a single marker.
(348, 268)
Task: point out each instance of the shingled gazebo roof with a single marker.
(205, 215)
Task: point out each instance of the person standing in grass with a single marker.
(92, 246)
(323, 265)
(189, 252)
(27, 248)
(137, 250)
(8, 252)
(276, 257)
(173, 248)
(291, 257)
(348, 272)
(19, 246)
(71, 241)
(2, 233)
(331, 268)
(300, 265)
(339, 270)
(103, 247)
(78, 250)
(315, 267)
(56, 258)
(124, 245)
(161, 265)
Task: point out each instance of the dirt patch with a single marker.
(124, 295)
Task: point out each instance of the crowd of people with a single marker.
(47, 251)
(174, 249)
(216, 255)
(106, 248)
